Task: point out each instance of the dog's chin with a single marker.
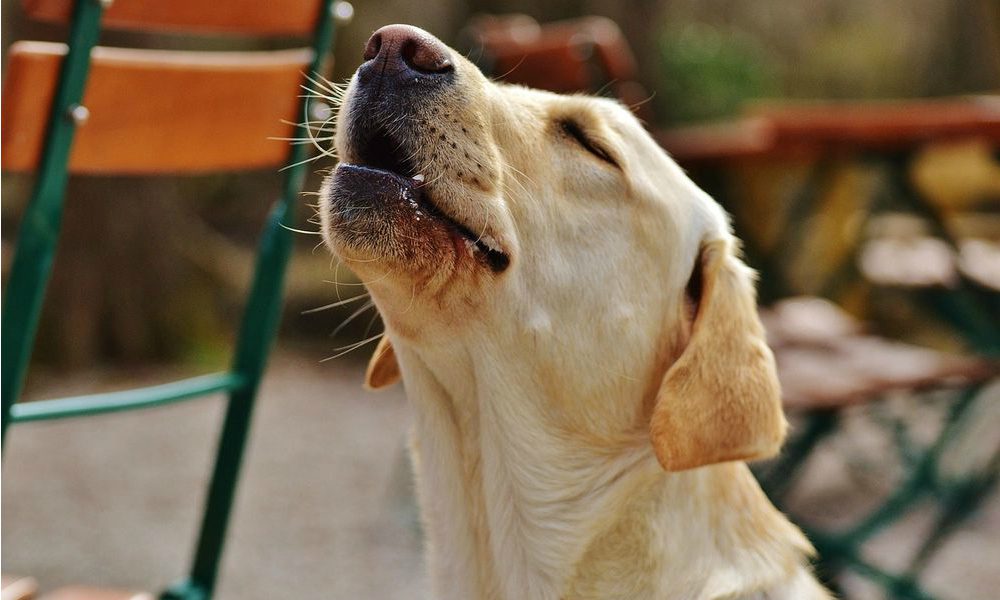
(383, 218)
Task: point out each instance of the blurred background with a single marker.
(854, 142)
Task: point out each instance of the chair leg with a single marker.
(841, 551)
(961, 501)
(36, 240)
(778, 478)
(260, 323)
(257, 332)
(24, 295)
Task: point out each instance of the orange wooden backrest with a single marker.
(157, 111)
(252, 17)
(576, 55)
(551, 56)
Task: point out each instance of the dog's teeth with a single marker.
(419, 177)
(490, 242)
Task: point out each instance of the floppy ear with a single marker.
(383, 370)
(721, 400)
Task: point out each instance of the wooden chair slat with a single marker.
(556, 56)
(273, 17)
(156, 111)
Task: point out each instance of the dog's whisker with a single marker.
(334, 304)
(350, 348)
(323, 92)
(353, 315)
(325, 126)
(316, 142)
(333, 90)
(522, 174)
(301, 162)
(304, 141)
(436, 179)
(511, 70)
(321, 126)
(353, 284)
(374, 318)
(413, 295)
(337, 88)
(292, 229)
(343, 283)
(509, 183)
(317, 96)
(361, 261)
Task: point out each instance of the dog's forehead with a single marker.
(544, 104)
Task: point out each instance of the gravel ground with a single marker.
(115, 500)
(324, 510)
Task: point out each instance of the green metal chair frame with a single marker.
(968, 308)
(967, 311)
(956, 498)
(32, 265)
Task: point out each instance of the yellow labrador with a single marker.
(576, 334)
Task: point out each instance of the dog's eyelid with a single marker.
(573, 130)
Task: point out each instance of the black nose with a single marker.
(404, 50)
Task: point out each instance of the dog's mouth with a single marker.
(384, 160)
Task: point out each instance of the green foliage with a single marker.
(708, 73)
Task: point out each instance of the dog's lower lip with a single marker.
(380, 149)
(486, 247)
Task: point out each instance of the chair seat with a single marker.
(86, 592)
(826, 361)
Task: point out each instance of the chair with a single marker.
(79, 108)
(587, 54)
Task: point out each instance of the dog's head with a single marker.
(554, 223)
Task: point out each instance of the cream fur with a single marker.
(533, 389)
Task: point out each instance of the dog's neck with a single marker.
(523, 483)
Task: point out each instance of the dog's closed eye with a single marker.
(573, 130)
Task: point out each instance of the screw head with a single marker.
(320, 111)
(105, 4)
(79, 114)
(343, 12)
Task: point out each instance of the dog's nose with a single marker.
(403, 49)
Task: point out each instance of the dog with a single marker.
(576, 333)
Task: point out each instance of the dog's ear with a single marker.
(383, 370)
(720, 401)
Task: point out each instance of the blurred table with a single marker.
(825, 360)
(962, 289)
